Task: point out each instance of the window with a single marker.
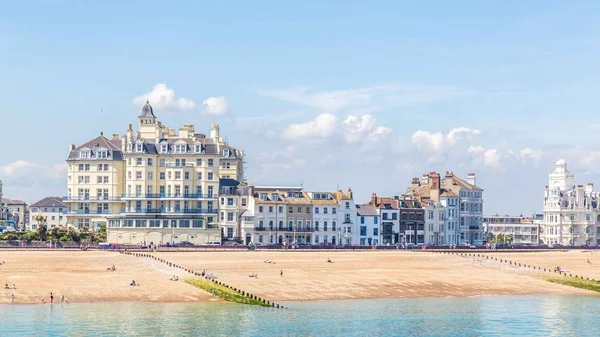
(138, 175)
(198, 148)
(243, 201)
(375, 221)
(149, 162)
(199, 176)
(150, 175)
(316, 210)
(180, 148)
(210, 176)
(270, 209)
(316, 226)
(198, 162)
(333, 210)
(186, 175)
(362, 219)
(229, 216)
(177, 174)
(138, 162)
(230, 201)
(210, 162)
(164, 148)
(324, 210)
(375, 231)
(260, 209)
(363, 230)
(138, 147)
(161, 176)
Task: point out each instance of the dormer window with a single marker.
(198, 148)
(85, 154)
(102, 154)
(138, 147)
(180, 148)
(164, 148)
(274, 196)
(225, 152)
(263, 196)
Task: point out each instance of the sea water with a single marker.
(472, 316)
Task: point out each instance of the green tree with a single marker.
(42, 227)
(500, 239)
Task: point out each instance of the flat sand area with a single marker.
(362, 275)
(573, 261)
(82, 276)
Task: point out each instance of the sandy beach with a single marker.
(82, 276)
(572, 261)
(362, 275)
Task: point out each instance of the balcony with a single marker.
(86, 211)
(91, 198)
(178, 165)
(299, 229)
(260, 229)
(170, 211)
(169, 196)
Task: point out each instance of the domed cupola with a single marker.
(147, 111)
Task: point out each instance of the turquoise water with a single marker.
(475, 316)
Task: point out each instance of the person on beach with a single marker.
(281, 272)
(6, 286)
(12, 298)
(14, 286)
(51, 298)
(62, 299)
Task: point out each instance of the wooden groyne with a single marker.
(251, 298)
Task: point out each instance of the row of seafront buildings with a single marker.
(164, 185)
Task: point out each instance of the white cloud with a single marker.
(488, 157)
(215, 106)
(366, 98)
(31, 182)
(321, 127)
(531, 154)
(162, 97)
(438, 142)
(22, 167)
(357, 129)
(334, 100)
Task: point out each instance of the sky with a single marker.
(323, 94)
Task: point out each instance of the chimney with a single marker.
(350, 194)
(415, 182)
(471, 179)
(373, 199)
(71, 147)
(425, 179)
(251, 191)
(434, 186)
(589, 188)
(115, 136)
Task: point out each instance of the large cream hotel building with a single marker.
(155, 185)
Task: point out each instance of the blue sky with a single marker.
(516, 81)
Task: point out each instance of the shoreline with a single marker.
(82, 276)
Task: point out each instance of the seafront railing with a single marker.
(262, 301)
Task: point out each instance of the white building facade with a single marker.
(435, 223)
(517, 230)
(233, 209)
(570, 212)
(368, 225)
(52, 209)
